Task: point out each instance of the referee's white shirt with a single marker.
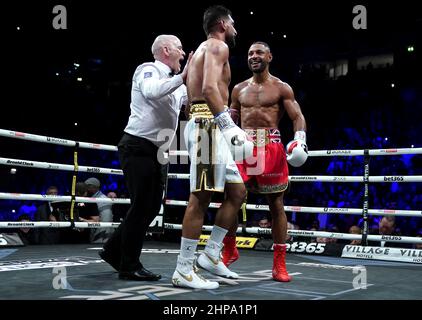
(156, 100)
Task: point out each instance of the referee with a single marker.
(156, 101)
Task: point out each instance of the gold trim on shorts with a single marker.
(205, 172)
(266, 189)
(200, 110)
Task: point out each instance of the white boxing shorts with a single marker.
(212, 165)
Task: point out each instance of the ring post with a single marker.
(365, 231)
(73, 194)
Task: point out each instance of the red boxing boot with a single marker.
(279, 264)
(230, 252)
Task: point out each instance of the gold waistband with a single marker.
(200, 110)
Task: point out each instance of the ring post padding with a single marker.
(365, 230)
(73, 194)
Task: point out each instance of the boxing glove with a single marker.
(297, 150)
(234, 113)
(239, 144)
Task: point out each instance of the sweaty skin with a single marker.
(262, 105)
(209, 74)
(261, 102)
(208, 82)
(263, 98)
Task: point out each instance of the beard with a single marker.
(261, 68)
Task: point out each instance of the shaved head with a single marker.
(160, 42)
(168, 49)
(262, 43)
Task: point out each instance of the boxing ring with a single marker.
(315, 275)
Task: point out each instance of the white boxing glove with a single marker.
(237, 139)
(297, 150)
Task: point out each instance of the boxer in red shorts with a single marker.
(267, 172)
(259, 103)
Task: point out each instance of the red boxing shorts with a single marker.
(266, 171)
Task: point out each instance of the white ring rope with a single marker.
(334, 153)
(58, 166)
(185, 176)
(320, 234)
(250, 230)
(355, 179)
(52, 140)
(57, 224)
(316, 153)
(257, 207)
(89, 145)
(41, 197)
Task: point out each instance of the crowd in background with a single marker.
(357, 111)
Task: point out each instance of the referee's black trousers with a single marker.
(144, 180)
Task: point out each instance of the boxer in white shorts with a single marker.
(212, 165)
(207, 84)
(212, 170)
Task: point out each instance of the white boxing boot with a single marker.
(210, 260)
(186, 276)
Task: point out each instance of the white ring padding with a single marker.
(89, 145)
(329, 178)
(39, 197)
(185, 176)
(334, 153)
(57, 224)
(52, 140)
(319, 234)
(57, 166)
(355, 179)
(182, 176)
(259, 207)
(316, 153)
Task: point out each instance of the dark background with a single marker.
(109, 39)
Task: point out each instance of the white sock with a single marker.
(188, 248)
(214, 243)
(218, 234)
(184, 265)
